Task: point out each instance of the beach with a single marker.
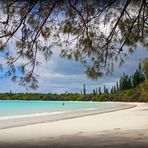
(122, 128)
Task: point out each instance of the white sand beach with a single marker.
(123, 128)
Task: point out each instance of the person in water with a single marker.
(63, 104)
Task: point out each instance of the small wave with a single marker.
(31, 115)
(89, 109)
(43, 114)
(83, 109)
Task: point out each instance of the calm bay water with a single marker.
(19, 113)
(15, 108)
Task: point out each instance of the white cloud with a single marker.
(59, 75)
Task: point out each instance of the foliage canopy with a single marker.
(94, 32)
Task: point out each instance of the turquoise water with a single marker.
(15, 108)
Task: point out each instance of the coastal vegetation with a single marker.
(138, 94)
(129, 88)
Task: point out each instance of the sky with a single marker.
(61, 75)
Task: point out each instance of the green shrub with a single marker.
(144, 91)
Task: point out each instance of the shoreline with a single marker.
(39, 118)
(123, 128)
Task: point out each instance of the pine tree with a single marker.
(104, 89)
(142, 78)
(117, 86)
(94, 92)
(138, 76)
(145, 68)
(100, 90)
(84, 89)
(112, 90)
(81, 92)
(125, 82)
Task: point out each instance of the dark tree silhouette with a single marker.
(145, 68)
(138, 76)
(100, 90)
(94, 32)
(84, 89)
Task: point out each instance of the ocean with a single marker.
(17, 113)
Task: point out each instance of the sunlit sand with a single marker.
(127, 127)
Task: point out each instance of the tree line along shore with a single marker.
(132, 88)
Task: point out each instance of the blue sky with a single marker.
(59, 75)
